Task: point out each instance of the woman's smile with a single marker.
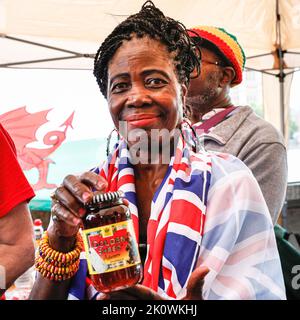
(141, 120)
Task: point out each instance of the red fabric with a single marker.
(214, 120)
(14, 187)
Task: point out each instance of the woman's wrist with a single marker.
(59, 242)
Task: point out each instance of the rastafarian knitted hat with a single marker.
(226, 44)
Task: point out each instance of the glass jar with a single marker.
(110, 244)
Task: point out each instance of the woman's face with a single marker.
(143, 89)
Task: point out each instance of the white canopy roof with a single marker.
(79, 26)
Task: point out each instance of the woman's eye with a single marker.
(119, 87)
(155, 82)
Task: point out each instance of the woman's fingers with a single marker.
(94, 180)
(195, 284)
(69, 200)
(79, 190)
(63, 214)
(142, 293)
(80, 187)
(64, 197)
(137, 292)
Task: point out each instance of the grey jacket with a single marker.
(260, 146)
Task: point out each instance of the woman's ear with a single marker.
(228, 76)
(184, 91)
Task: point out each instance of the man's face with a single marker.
(204, 89)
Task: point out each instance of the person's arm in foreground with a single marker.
(16, 228)
(238, 244)
(16, 243)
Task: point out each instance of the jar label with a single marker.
(111, 247)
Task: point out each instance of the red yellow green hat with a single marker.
(227, 44)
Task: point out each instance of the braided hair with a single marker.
(151, 22)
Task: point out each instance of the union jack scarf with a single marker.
(175, 226)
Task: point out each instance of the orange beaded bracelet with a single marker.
(55, 265)
(64, 258)
(42, 264)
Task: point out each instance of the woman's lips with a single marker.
(141, 120)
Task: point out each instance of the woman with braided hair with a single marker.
(201, 216)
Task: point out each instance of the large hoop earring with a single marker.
(109, 139)
(197, 145)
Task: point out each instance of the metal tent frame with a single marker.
(73, 54)
(279, 64)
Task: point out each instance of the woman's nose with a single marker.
(138, 97)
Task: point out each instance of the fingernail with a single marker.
(81, 211)
(85, 196)
(76, 221)
(101, 185)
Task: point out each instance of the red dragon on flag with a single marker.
(22, 127)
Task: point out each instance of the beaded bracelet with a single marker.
(41, 264)
(55, 265)
(64, 258)
(56, 273)
(53, 260)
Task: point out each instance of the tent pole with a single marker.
(281, 74)
(281, 84)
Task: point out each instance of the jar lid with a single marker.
(103, 198)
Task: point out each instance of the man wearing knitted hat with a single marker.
(235, 129)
